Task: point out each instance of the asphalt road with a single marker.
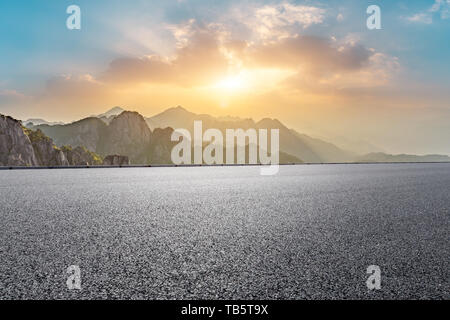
(309, 232)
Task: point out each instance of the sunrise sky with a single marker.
(312, 64)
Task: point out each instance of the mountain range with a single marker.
(298, 145)
(123, 134)
(147, 140)
(36, 122)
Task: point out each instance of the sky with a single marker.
(314, 65)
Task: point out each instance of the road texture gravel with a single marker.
(309, 232)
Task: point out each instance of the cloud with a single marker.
(314, 53)
(286, 14)
(323, 65)
(69, 86)
(12, 102)
(278, 21)
(207, 53)
(200, 60)
(421, 18)
(208, 57)
(10, 96)
(11, 93)
(182, 32)
(441, 7)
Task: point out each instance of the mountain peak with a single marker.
(178, 109)
(112, 112)
(37, 122)
(129, 116)
(129, 113)
(270, 123)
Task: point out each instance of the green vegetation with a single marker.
(97, 158)
(66, 149)
(35, 136)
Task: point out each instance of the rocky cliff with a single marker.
(160, 148)
(44, 150)
(21, 146)
(80, 156)
(116, 160)
(15, 146)
(127, 134)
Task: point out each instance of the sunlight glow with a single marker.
(232, 83)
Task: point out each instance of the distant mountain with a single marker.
(109, 115)
(112, 112)
(291, 142)
(383, 157)
(284, 158)
(325, 150)
(356, 146)
(21, 146)
(86, 132)
(179, 117)
(36, 122)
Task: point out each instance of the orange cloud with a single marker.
(199, 62)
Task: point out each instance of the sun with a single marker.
(232, 83)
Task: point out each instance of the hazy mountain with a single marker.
(86, 132)
(325, 150)
(284, 158)
(291, 142)
(179, 117)
(36, 122)
(112, 112)
(360, 147)
(383, 157)
(109, 115)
